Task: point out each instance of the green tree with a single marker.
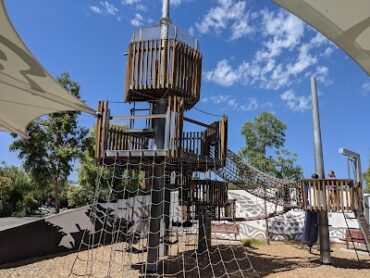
(16, 184)
(265, 147)
(5, 187)
(89, 172)
(54, 142)
(366, 178)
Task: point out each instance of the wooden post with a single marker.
(204, 232)
(267, 234)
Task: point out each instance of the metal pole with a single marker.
(165, 20)
(159, 222)
(165, 9)
(355, 157)
(319, 169)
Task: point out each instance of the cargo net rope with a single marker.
(132, 235)
(275, 196)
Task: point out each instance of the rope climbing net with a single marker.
(281, 193)
(146, 221)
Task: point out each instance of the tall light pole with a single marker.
(325, 257)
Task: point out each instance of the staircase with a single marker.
(364, 226)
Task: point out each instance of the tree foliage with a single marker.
(366, 177)
(15, 184)
(5, 186)
(265, 147)
(54, 142)
(89, 172)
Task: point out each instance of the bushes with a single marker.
(249, 242)
(6, 209)
(78, 196)
(20, 195)
(29, 203)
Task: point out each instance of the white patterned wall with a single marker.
(288, 226)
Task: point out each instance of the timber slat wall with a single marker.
(329, 195)
(207, 192)
(119, 140)
(159, 67)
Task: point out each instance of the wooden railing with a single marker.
(330, 195)
(159, 67)
(119, 140)
(208, 145)
(192, 143)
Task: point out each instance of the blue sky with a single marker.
(256, 57)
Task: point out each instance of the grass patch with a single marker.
(250, 242)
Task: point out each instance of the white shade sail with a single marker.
(345, 22)
(27, 91)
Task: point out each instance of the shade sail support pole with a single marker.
(324, 239)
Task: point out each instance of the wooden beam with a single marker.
(198, 123)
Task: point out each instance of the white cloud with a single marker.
(137, 4)
(232, 103)
(110, 8)
(281, 58)
(281, 31)
(224, 74)
(327, 52)
(105, 7)
(250, 105)
(175, 2)
(130, 2)
(228, 14)
(294, 102)
(366, 88)
(96, 9)
(137, 21)
(220, 99)
(141, 7)
(191, 31)
(321, 75)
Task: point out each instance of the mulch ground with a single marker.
(279, 259)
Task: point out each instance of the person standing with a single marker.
(310, 230)
(332, 190)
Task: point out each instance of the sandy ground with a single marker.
(280, 259)
(291, 259)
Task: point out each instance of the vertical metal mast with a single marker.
(319, 169)
(165, 18)
(160, 205)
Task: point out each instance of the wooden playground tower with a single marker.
(164, 69)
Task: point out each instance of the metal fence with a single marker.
(174, 32)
